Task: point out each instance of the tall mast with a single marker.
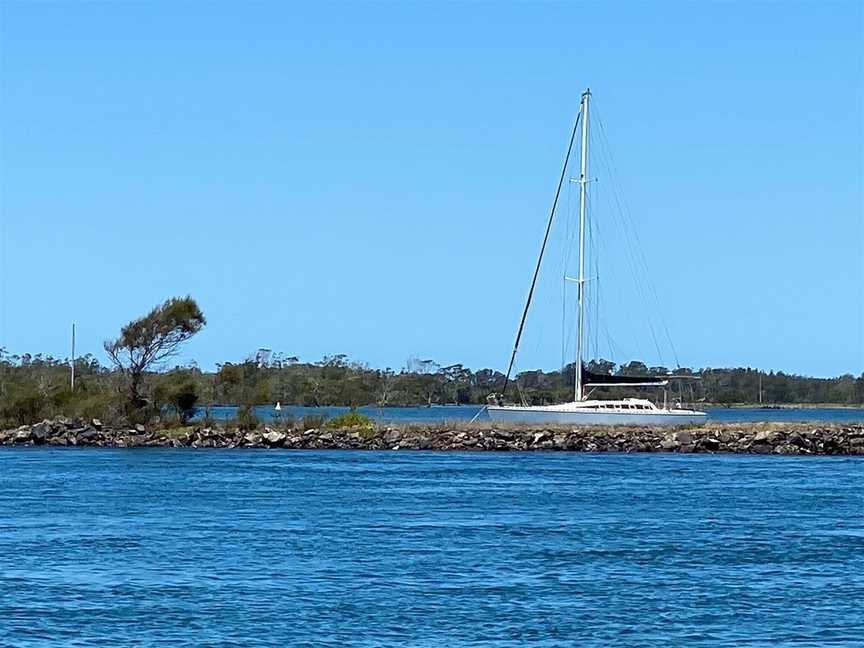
(72, 361)
(583, 189)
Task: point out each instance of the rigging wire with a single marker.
(594, 238)
(542, 250)
(630, 263)
(599, 251)
(565, 258)
(636, 256)
(569, 243)
(641, 252)
(592, 261)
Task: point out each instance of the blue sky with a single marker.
(374, 178)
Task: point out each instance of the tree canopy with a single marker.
(146, 342)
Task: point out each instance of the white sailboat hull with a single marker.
(573, 414)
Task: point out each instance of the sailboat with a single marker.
(583, 410)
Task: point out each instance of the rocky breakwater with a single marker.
(756, 438)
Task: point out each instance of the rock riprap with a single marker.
(755, 438)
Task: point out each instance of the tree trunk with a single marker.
(135, 398)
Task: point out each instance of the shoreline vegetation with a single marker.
(354, 432)
(139, 387)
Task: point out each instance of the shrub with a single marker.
(368, 433)
(352, 419)
(24, 409)
(246, 419)
(208, 420)
(106, 406)
(178, 392)
(284, 422)
(144, 413)
(312, 422)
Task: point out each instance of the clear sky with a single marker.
(374, 178)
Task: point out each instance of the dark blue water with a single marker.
(438, 413)
(280, 548)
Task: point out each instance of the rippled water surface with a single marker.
(149, 547)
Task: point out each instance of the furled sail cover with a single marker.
(591, 378)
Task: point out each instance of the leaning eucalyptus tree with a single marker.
(147, 341)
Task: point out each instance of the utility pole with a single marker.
(72, 362)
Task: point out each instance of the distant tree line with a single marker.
(33, 387)
(137, 386)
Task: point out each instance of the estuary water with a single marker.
(440, 413)
(155, 547)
